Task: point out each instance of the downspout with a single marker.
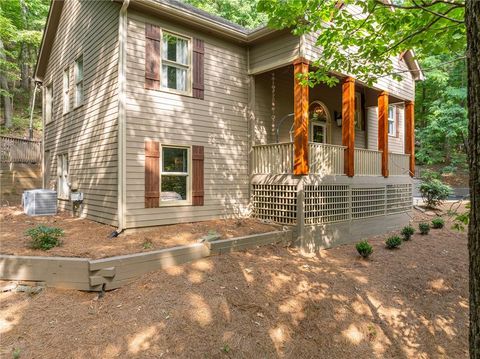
(121, 128)
(32, 106)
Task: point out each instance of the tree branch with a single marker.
(418, 7)
(438, 14)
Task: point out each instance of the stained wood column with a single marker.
(348, 124)
(300, 122)
(410, 134)
(383, 130)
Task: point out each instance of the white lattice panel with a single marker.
(326, 204)
(399, 198)
(368, 202)
(275, 202)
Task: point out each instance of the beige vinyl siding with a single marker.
(274, 53)
(219, 123)
(395, 144)
(87, 133)
(404, 89)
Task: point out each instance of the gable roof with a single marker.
(183, 13)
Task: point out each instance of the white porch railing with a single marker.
(398, 164)
(326, 159)
(275, 158)
(368, 162)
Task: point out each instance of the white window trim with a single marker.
(76, 82)
(188, 201)
(63, 176)
(319, 124)
(66, 90)
(393, 120)
(48, 103)
(188, 67)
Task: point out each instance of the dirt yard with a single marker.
(265, 303)
(84, 238)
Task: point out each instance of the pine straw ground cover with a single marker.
(264, 303)
(85, 238)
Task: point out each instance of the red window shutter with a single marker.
(197, 175)
(198, 73)
(152, 174)
(152, 57)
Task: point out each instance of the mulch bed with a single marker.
(85, 238)
(270, 302)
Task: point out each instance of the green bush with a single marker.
(407, 232)
(393, 242)
(434, 192)
(364, 249)
(424, 228)
(438, 222)
(44, 238)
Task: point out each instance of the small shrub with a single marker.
(45, 238)
(434, 192)
(407, 232)
(147, 244)
(364, 249)
(424, 228)
(438, 223)
(393, 242)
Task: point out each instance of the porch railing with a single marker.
(326, 159)
(398, 164)
(275, 158)
(18, 150)
(368, 162)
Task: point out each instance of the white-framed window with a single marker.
(66, 90)
(175, 175)
(392, 128)
(175, 65)
(63, 190)
(48, 103)
(79, 81)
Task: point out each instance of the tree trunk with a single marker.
(24, 69)
(7, 100)
(472, 22)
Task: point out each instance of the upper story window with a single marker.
(176, 63)
(48, 103)
(79, 81)
(66, 90)
(391, 121)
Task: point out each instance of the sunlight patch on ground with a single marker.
(438, 284)
(200, 312)
(10, 316)
(195, 277)
(202, 265)
(353, 334)
(142, 341)
(279, 337)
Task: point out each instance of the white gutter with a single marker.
(121, 128)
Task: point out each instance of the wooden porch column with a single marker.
(348, 124)
(410, 134)
(383, 130)
(300, 122)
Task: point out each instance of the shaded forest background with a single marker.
(441, 115)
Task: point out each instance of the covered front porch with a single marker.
(346, 130)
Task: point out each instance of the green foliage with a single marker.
(44, 238)
(461, 220)
(438, 222)
(364, 248)
(242, 12)
(147, 244)
(393, 242)
(434, 192)
(407, 232)
(16, 353)
(424, 228)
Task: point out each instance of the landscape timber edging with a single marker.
(114, 272)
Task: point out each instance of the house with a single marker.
(160, 113)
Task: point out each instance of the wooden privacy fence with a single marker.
(326, 159)
(368, 162)
(18, 150)
(398, 164)
(273, 158)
